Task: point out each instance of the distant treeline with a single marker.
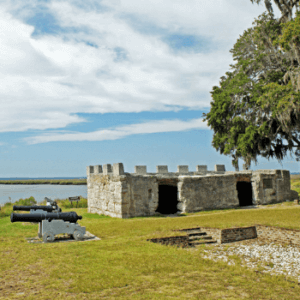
(46, 181)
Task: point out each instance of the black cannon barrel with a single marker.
(39, 217)
(47, 208)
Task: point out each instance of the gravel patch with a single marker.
(271, 258)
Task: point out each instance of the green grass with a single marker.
(46, 181)
(123, 265)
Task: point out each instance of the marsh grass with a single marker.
(123, 265)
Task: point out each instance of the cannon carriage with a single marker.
(51, 221)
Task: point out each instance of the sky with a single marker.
(108, 81)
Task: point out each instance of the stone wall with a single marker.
(104, 189)
(271, 186)
(238, 234)
(140, 196)
(180, 241)
(104, 195)
(212, 192)
(115, 193)
(229, 235)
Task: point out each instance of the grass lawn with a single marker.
(123, 265)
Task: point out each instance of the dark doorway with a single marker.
(167, 199)
(244, 190)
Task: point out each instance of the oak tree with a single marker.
(255, 111)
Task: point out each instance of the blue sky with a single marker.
(95, 82)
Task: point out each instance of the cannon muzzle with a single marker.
(34, 207)
(71, 217)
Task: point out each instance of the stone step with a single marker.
(195, 243)
(195, 233)
(190, 229)
(195, 238)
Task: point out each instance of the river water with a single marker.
(40, 191)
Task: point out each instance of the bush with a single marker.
(67, 204)
(6, 209)
(26, 202)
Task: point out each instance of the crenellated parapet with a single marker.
(117, 169)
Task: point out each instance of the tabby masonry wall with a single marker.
(115, 193)
(229, 235)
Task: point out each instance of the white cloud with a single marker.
(46, 80)
(122, 131)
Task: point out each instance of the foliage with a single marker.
(26, 202)
(256, 109)
(295, 184)
(6, 209)
(285, 6)
(67, 204)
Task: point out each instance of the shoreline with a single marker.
(70, 181)
(46, 181)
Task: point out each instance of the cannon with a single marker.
(51, 207)
(33, 208)
(51, 224)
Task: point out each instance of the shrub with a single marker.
(67, 204)
(27, 202)
(6, 209)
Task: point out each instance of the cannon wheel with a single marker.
(77, 235)
(48, 237)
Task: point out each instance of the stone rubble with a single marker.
(270, 258)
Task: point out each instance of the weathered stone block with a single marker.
(161, 169)
(237, 234)
(98, 169)
(220, 168)
(107, 169)
(201, 169)
(118, 169)
(183, 169)
(142, 170)
(90, 170)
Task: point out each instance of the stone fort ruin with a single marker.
(115, 193)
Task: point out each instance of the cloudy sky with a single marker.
(105, 81)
